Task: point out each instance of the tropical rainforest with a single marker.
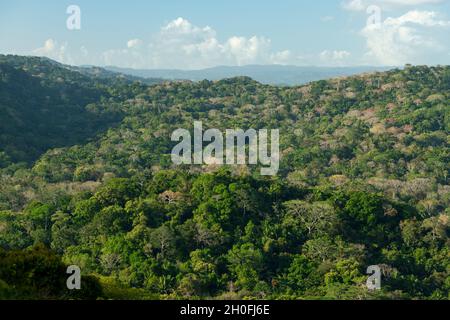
(86, 179)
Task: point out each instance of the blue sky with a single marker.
(194, 34)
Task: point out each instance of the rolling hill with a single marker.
(363, 181)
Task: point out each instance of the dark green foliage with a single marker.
(44, 105)
(38, 273)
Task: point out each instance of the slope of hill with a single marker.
(44, 104)
(102, 73)
(267, 74)
(363, 180)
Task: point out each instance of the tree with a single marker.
(302, 274)
(163, 240)
(117, 192)
(245, 264)
(63, 233)
(317, 218)
(346, 272)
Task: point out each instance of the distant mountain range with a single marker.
(102, 73)
(267, 74)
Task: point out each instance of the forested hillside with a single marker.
(363, 180)
(44, 105)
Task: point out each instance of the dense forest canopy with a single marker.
(86, 179)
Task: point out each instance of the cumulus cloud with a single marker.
(53, 50)
(424, 18)
(283, 57)
(362, 5)
(354, 5)
(63, 53)
(334, 57)
(396, 41)
(411, 2)
(134, 43)
(181, 44)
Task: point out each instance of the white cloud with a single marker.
(396, 41)
(283, 57)
(63, 53)
(424, 18)
(134, 43)
(334, 57)
(354, 5)
(245, 51)
(181, 44)
(412, 2)
(362, 5)
(53, 50)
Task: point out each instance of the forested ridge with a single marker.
(86, 179)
